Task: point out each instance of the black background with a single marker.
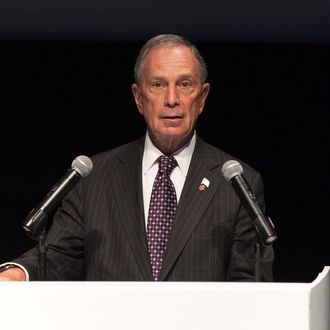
(66, 91)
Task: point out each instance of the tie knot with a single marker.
(167, 164)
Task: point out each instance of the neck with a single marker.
(169, 145)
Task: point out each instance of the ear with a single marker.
(137, 97)
(204, 94)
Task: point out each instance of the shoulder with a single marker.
(111, 157)
(209, 153)
(107, 163)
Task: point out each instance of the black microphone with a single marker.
(35, 221)
(233, 173)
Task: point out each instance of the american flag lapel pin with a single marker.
(204, 184)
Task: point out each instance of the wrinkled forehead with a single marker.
(170, 59)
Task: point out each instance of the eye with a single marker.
(185, 84)
(157, 84)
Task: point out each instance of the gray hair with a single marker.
(164, 40)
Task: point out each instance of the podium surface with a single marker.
(166, 305)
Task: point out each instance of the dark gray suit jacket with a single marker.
(98, 233)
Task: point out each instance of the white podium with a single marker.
(167, 305)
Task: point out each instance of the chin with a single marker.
(173, 135)
(173, 132)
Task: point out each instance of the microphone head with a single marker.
(83, 165)
(231, 168)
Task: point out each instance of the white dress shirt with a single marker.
(150, 169)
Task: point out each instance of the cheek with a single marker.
(150, 113)
(195, 109)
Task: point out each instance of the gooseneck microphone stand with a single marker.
(35, 227)
(258, 249)
(261, 241)
(42, 253)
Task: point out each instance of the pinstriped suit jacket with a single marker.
(98, 233)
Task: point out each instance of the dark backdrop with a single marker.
(262, 20)
(268, 105)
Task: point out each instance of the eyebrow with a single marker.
(181, 77)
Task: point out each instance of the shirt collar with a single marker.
(182, 156)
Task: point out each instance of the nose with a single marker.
(172, 97)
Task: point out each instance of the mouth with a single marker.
(172, 121)
(171, 117)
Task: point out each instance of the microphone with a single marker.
(36, 219)
(233, 173)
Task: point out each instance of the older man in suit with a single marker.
(156, 208)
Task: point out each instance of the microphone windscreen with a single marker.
(231, 168)
(83, 165)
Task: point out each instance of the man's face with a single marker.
(170, 94)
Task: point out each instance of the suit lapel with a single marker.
(129, 198)
(193, 202)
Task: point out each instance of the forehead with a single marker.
(177, 59)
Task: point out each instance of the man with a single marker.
(156, 208)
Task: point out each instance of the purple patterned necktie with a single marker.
(161, 213)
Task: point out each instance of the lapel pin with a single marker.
(204, 184)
